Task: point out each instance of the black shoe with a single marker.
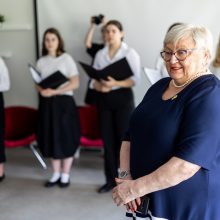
(2, 177)
(51, 184)
(64, 185)
(106, 188)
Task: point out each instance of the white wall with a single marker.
(145, 23)
(18, 44)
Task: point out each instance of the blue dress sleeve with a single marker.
(127, 136)
(199, 139)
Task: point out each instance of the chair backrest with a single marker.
(20, 122)
(89, 122)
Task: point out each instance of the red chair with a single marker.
(20, 126)
(90, 131)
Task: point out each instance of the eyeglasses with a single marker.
(179, 54)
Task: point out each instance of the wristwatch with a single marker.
(122, 174)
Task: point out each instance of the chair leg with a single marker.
(38, 156)
(77, 154)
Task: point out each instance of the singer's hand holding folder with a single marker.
(118, 70)
(53, 81)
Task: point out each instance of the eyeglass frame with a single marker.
(174, 53)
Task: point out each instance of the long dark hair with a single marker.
(60, 48)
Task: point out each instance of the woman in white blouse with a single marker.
(116, 100)
(215, 65)
(4, 86)
(58, 131)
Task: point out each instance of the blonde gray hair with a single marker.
(199, 34)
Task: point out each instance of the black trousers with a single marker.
(114, 122)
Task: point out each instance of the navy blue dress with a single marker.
(186, 126)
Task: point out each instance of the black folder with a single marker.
(53, 81)
(118, 70)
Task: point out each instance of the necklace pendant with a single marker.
(174, 97)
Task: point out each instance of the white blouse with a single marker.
(102, 60)
(4, 77)
(47, 65)
(161, 67)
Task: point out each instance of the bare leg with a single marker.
(65, 176)
(67, 164)
(1, 169)
(56, 165)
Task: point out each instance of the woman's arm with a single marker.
(125, 156)
(125, 166)
(170, 174)
(89, 35)
(73, 84)
(111, 82)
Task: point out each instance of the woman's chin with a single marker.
(176, 74)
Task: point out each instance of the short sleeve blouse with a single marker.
(47, 65)
(4, 77)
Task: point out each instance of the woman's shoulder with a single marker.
(129, 50)
(66, 56)
(206, 86)
(132, 52)
(102, 52)
(2, 63)
(158, 86)
(42, 60)
(161, 82)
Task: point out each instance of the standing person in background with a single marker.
(58, 131)
(116, 100)
(92, 48)
(215, 65)
(4, 86)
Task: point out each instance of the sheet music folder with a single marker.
(53, 81)
(152, 75)
(118, 70)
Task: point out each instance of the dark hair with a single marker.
(173, 25)
(60, 49)
(115, 23)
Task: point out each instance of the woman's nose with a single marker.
(173, 59)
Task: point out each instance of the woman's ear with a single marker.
(206, 58)
(122, 35)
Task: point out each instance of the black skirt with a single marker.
(58, 133)
(2, 123)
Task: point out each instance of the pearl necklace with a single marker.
(190, 79)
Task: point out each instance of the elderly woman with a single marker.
(172, 148)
